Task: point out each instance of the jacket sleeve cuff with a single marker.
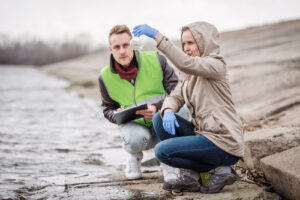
(173, 107)
(163, 44)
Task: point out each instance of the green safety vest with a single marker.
(148, 87)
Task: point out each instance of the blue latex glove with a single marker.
(144, 29)
(169, 120)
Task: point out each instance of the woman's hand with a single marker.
(144, 29)
(169, 122)
(147, 113)
(148, 31)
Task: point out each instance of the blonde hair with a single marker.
(184, 28)
(118, 29)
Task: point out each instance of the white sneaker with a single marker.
(133, 167)
(169, 173)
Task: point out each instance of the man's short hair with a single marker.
(118, 29)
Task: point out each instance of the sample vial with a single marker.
(136, 43)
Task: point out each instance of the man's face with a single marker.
(121, 49)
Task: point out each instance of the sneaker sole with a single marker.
(167, 187)
(182, 189)
(189, 189)
(133, 177)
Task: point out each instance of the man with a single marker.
(134, 78)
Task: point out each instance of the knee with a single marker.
(160, 152)
(231, 160)
(134, 144)
(157, 124)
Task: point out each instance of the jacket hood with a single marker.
(207, 38)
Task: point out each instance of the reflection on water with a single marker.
(52, 141)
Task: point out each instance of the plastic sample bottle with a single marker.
(136, 43)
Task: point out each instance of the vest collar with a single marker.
(136, 55)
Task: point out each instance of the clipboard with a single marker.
(129, 114)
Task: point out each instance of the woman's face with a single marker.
(189, 44)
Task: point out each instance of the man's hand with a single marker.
(144, 29)
(119, 109)
(169, 122)
(147, 113)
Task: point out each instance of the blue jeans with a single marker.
(187, 150)
(137, 138)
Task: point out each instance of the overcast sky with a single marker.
(57, 19)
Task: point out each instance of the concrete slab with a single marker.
(282, 170)
(268, 141)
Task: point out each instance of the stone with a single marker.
(268, 141)
(151, 162)
(282, 170)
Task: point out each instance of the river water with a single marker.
(53, 143)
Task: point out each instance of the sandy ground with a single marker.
(264, 71)
(152, 182)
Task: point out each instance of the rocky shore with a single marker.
(264, 71)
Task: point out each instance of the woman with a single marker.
(213, 138)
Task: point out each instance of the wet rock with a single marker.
(282, 170)
(63, 150)
(151, 162)
(93, 160)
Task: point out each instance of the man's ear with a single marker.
(110, 49)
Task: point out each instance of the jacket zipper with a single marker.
(138, 59)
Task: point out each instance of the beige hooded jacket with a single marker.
(203, 87)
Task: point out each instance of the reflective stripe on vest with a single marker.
(148, 86)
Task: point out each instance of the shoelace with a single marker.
(133, 164)
(213, 180)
